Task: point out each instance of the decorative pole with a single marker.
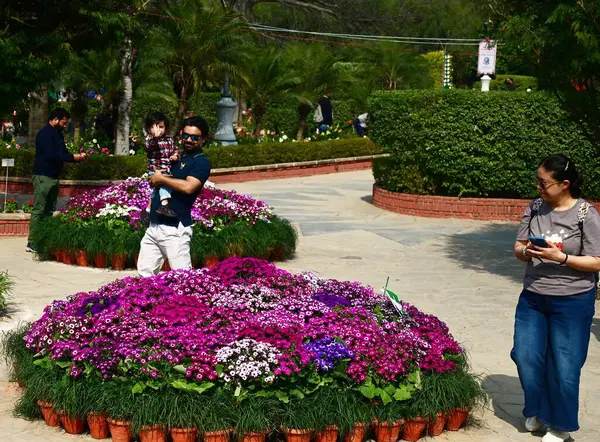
(225, 112)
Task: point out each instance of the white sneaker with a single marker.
(532, 424)
(556, 436)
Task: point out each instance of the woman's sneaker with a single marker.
(556, 436)
(532, 424)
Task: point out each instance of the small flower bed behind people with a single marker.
(112, 221)
(242, 331)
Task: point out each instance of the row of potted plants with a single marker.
(112, 223)
(100, 426)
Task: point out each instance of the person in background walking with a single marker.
(555, 310)
(360, 124)
(50, 155)
(324, 112)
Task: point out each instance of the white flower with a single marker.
(131, 152)
(94, 140)
(285, 137)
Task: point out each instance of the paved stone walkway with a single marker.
(461, 271)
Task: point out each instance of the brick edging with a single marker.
(484, 209)
(23, 186)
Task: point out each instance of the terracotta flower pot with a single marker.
(98, 425)
(414, 428)
(295, 435)
(388, 431)
(211, 261)
(82, 258)
(184, 434)
(166, 267)
(436, 425)
(136, 257)
(254, 436)
(58, 255)
(68, 258)
(72, 425)
(357, 434)
(50, 416)
(155, 433)
(217, 436)
(277, 254)
(327, 434)
(457, 418)
(118, 261)
(100, 260)
(120, 430)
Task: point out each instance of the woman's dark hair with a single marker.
(156, 117)
(59, 113)
(563, 169)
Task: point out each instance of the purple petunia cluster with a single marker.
(243, 320)
(126, 202)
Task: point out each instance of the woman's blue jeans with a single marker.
(552, 334)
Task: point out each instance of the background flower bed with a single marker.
(6, 285)
(111, 221)
(243, 345)
(103, 167)
(467, 143)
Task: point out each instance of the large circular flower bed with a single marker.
(242, 345)
(111, 222)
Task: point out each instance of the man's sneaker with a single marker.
(166, 211)
(30, 248)
(532, 424)
(556, 436)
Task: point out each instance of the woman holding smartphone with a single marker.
(555, 310)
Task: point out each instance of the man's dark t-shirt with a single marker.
(194, 165)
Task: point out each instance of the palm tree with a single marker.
(197, 50)
(396, 68)
(319, 72)
(265, 78)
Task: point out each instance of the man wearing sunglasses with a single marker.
(169, 238)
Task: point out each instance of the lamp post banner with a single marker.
(487, 58)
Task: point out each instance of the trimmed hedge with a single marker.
(121, 167)
(468, 143)
(274, 240)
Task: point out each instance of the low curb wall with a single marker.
(14, 224)
(484, 209)
(68, 188)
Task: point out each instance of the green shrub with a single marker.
(468, 143)
(102, 167)
(6, 285)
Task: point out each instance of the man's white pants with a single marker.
(164, 242)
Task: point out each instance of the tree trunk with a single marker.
(259, 110)
(303, 112)
(181, 111)
(78, 112)
(38, 112)
(242, 105)
(124, 121)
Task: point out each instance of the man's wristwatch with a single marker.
(524, 251)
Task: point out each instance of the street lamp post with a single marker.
(225, 112)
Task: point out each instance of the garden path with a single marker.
(461, 271)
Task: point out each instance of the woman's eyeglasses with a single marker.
(192, 137)
(544, 185)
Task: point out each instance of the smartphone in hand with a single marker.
(538, 241)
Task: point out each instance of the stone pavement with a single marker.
(461, 271)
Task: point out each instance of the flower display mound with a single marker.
(242, 345)
(111, 222)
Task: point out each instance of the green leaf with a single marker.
(64, 364)
(385, 397)
(401, 394)
(181, 384)
(282, 396)
(138, 388)
(415, 378)
(297, 393)
(368, 391)
(238, 391)
(180, 369)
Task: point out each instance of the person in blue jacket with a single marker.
(50, 155)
